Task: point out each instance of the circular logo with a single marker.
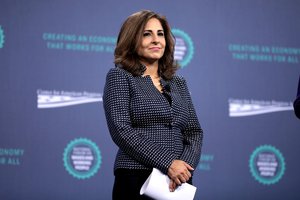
(82, 158)
(184, 48)
(267, 164)
(1, 37)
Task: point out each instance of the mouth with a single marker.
(155, 48)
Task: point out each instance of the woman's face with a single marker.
(153, 42)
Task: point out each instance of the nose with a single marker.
(155, 39)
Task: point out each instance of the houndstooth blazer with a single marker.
(150, 131)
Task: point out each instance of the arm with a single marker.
(116, 100)
(193, 134)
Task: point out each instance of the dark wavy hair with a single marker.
(130, 38)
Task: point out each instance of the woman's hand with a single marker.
(172, 185)
(179, 172)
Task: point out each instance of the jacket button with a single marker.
(168, 125)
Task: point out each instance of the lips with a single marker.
(155, 48)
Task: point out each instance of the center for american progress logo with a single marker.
(82, 158)
(184, 48)
(1, 37)
(267, 164)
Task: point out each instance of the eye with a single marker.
(146, 34)
(160, 34)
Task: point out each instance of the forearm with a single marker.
(192, 147)
(140, 148)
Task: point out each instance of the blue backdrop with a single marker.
(241, 61)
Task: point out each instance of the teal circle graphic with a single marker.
(95, 159)
(1, 37)
(189, 45)
(280, 169)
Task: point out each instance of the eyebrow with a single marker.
(157, 30)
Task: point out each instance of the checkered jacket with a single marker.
(147, 129)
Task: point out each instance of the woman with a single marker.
(148, 108)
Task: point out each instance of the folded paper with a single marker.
(157, 187)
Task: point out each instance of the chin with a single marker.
(152, 58)
(155, 56)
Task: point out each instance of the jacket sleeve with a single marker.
(193, 134)
(116, 101)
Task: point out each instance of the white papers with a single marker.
(157, 187)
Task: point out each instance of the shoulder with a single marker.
(179, 80)
(181, 85)
(118, 74)
(117, 79)
(117, 71)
